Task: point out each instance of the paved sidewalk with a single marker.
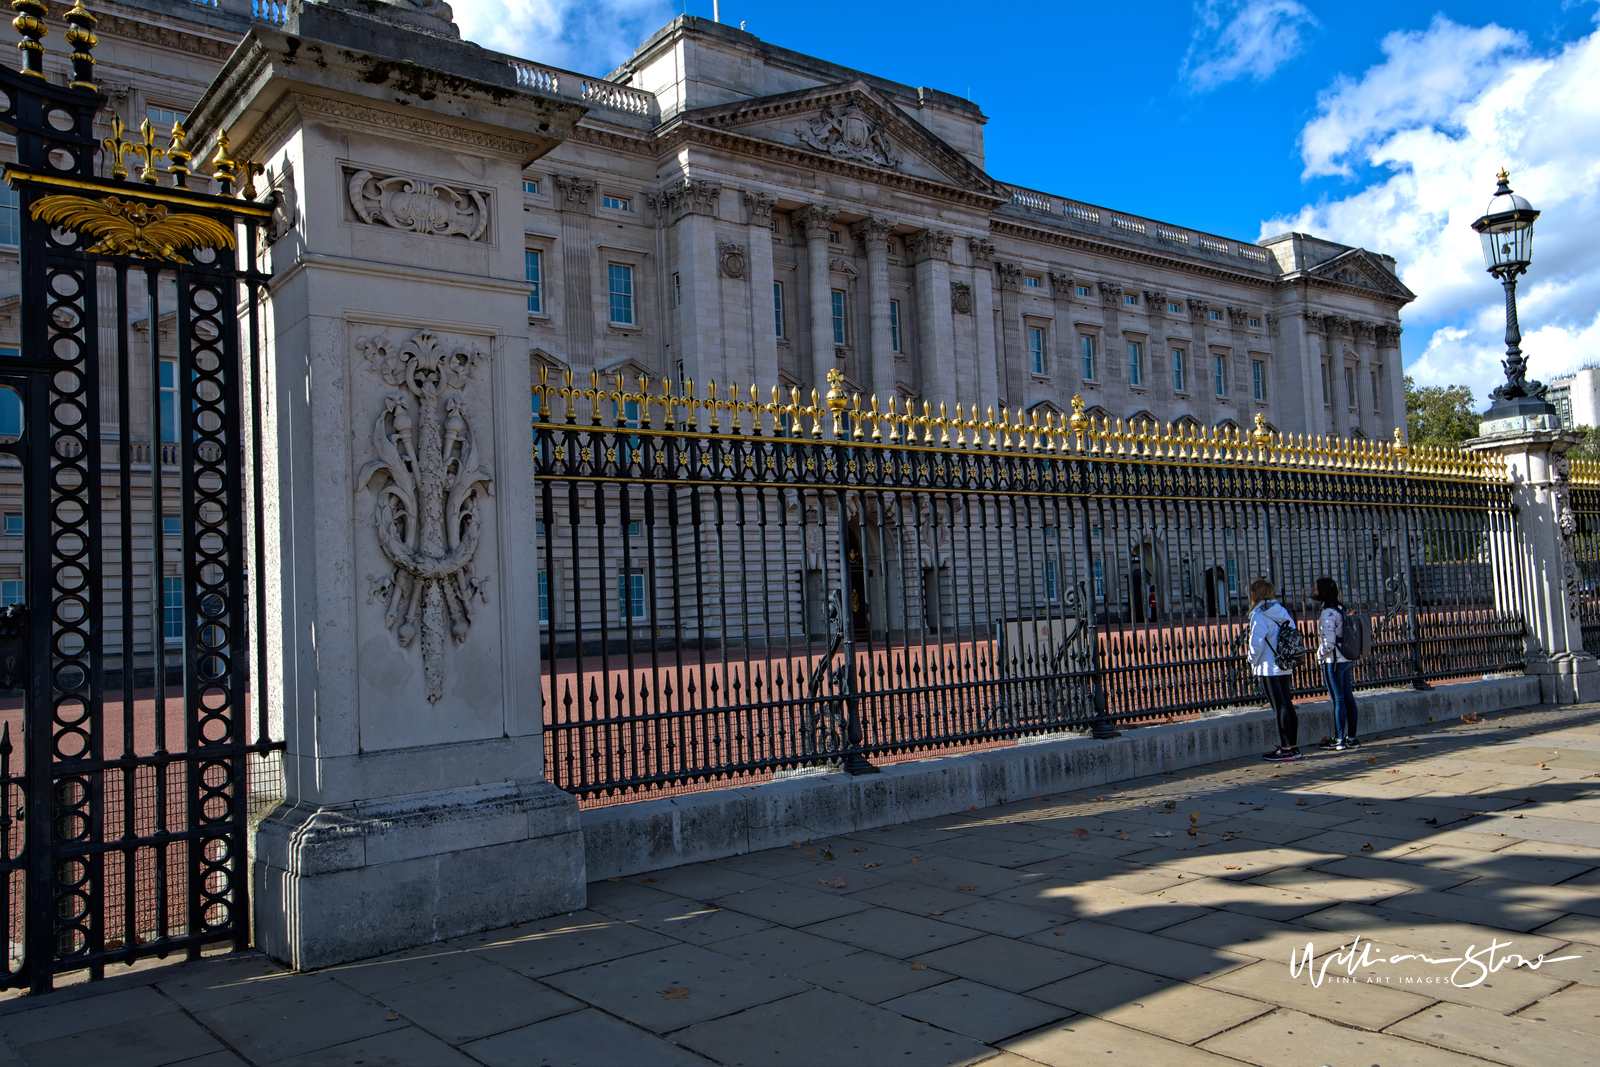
(1153, 921)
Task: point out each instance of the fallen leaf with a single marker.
(838, 882)
(613, 879)
(1122, 837)
(1367, 847)
(1374, 759)
(1061, 933)
(860, 850)
(391, 1017)
(966, 888)
(1161, 833)
(872, 865)
(1232, 867)
(651, 879)
(1081, 832)
(827, 853)
(1519, 816)
(1194, 817)
(1431, 822)
(1467, 718)
(1171, 805)
(973, 808)
(811, 853)
(1039, 799)
(1099, 798)
(935, 913)
(1362, 804)
(1190, 831)
(919, 966)
(676, 992)
(1542, 767)
(1391, 771)
(794, 844)
(1300, 802)
(917, 860)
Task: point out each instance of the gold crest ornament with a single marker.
(131, 228)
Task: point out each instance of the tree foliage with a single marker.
(1589, 447)
(1440, 415)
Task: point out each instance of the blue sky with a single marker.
(1379, 124)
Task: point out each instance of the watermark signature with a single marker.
(1478, 963)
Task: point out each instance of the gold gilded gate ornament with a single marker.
(132, 228)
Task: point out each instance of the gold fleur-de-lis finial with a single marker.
(149, 152)
(118, 149)
(178, 156)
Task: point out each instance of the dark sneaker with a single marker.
(1349, 744)
(1283, 755)
(1330, 744)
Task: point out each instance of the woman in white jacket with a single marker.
(1266, 615)
(1337, 671)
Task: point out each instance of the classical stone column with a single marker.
(1157, 363)
(1361, 335)
(816, 220)
(764, 339)
(936, 373)
(1393, 383)
(1115, 355)
(1015, 371)
(873, 233)
(688, 207)
(1541, 550)
(1203, 391)
(399, 494)
(990, 387)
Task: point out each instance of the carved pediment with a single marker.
(1363, 270)
(847, 123)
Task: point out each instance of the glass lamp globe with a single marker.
(1506, 230)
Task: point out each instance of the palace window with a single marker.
(1086, 350)
(1033, 281)
(677, 289)
(1258, 376)
(840, 337)
(1131, 300)
(163, 116)
(1219, 370)
(1255, 323)
(11, 592)
(169, 401)
(1350, 386)
(13, 524)
(530, 186)
(1216, 316)
(1135, 363)
(1174, 309)
(1099, 570)
(1083, 290)
(1375, 404)
(620, 278)
(171, 529)
(833, 237)
(618, 203)
(10, 408)
(1036, 349)
(1177, 370)
(544, 596)
(532, 265)
(894, 326)
(777, 309)
(1327, 385)
(10, 220)
(630, 596)
(1050, 579)
(172, 609)
(888, 246)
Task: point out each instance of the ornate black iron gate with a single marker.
(123, 804)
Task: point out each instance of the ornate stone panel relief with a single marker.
(961, 298)
(429, 486)
(419, 205)
(848, 134)
(730, 258)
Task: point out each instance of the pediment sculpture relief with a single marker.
(418, 205)
(430, 486)
(848, 134)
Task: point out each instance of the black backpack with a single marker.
(1355, 636)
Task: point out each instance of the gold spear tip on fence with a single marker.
(222, 165)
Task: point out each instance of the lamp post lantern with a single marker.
(1506, 230)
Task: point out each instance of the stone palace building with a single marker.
(731, 210)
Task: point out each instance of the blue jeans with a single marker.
(1340, 679)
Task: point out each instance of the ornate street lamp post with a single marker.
(1506, 230)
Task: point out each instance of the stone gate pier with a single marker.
(401, 546)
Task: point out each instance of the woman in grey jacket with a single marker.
(1337, 671)
(1266, 615)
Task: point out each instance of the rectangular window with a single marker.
(635, 528)
(1049, 579)
(894, 326)
(1350, 385)
(544, 596)
(1376, 405)
(1258, 379)
(1132, 301)
(888, 246)
(531, 267)
(1177, 370)
(1174, 309)
(172, 609)
(171, 530)
(1099, 570)
(1036, 349)
(10, 406)
(13, 526)
(621, 285)
(1233, 577)
(1327, 386)
(10, 221)
(1216, 316)
(1135, 363)
(1255, 323)
(530, 186)
(618, 203)
(1083, 290)
(677, 289)
(1219, 367)
(839, 335)
(833, 237)
(1188, 579)
(630, 596)
(11, 592)
(169, 401)
(777, 309)
(1033, 281)
(163, 115)
(1086, 350)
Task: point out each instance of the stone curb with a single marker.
(654, 834)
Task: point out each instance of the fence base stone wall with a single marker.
(651, 835)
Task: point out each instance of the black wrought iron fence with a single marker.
(730, 586)
(1585, 501)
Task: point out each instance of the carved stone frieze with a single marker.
(430, 488)
(929, 244)
(1199, 309)
(419, 205)
(1111, 292)
(1238, 317)
(1156, 299)
(574, 191)
(847, 133)
(1010, 276)
(873, 233)
(1362, 330)
(1388, 336)
(1063, 284)
(730, 259)
(961, 298)
(1316, 322)
(760, 205)
(815, 220)
(691, 196)
(840, 265)
(1567, 523)
(982, 250)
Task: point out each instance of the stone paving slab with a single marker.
(1055, 930)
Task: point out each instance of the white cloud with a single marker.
(1242, 38)
(590, 38)
(1447, 109)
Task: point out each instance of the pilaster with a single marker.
(990, 388)
(930, 252)
(1014, 372)
(815, 221)
(688, 208)
(575, 201)
(764, 334)
(873, 233)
